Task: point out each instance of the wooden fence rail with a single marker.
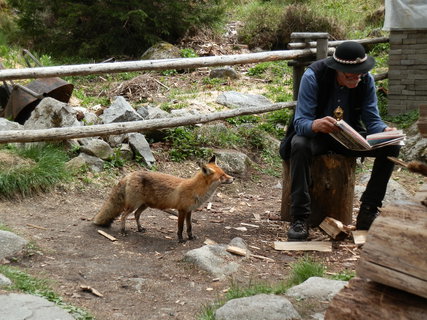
(55, 134)
(163, 64)
(65, 133)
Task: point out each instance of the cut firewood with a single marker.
(359, 236)
(91, 290)
(209, 242)
(334, 228)
(261, 257)
(108, 236)
(237, 250)
(323, 246)
(36, 227)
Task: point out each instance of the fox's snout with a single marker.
(226, 179)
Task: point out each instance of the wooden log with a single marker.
(58, 134)
(313, 44)
(367, 300)
(161, 64)
(395, 252)
(332, 190)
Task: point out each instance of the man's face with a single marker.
(349, 80)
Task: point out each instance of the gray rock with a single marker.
(24, 306)
(84, 160)
(10, 244)
(214, 259)
(225, 72)
(140, 146)
(233, 162)
(258, 307)
(51, 113)
(120, 111)
(238, 242)
(4, 281)
(6, 125)
(126, 152)
(161, 50)
(394, 190)
(233, 99)
(318, 288)
(97, 148)
(117, 139)
(89, 118)
(155, 113)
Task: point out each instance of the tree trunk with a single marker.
(332, 190)
(395, 252)
(362, 299)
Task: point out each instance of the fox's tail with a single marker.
(112, 207)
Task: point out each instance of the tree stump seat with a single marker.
(332, 189)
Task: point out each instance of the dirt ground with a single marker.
(143, 275)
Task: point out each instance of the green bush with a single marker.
(98, 29)
(301, 18)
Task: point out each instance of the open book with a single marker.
(352, 140)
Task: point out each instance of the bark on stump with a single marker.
(332, 189)
(367, 300)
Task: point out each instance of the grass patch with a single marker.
(301, 270)
(32, 169)
(23, 282)
(305, 268)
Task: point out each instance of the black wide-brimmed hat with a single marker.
(350, 56)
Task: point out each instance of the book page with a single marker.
(350, 138)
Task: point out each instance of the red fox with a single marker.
(142, 189)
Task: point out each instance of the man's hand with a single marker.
(389, 129)
(325, 125)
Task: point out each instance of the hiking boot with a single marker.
(298, 231)
(366, 216)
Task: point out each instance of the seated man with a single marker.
(339, 86)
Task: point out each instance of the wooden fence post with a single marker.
(300, 63)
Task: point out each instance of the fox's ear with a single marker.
(213, 159)
(206, 170)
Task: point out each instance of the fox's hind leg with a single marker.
(137, 215)
(181, 217)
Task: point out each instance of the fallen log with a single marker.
(367, 300)
(58, 134)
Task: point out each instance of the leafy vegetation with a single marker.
(23, 282)
(108, 28)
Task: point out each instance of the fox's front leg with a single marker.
(181, 217)
(189, 226)
(123, 220)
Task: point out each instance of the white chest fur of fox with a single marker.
(145, 189)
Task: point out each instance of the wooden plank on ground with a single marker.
(323, 246)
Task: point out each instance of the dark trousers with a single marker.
(302, 151)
